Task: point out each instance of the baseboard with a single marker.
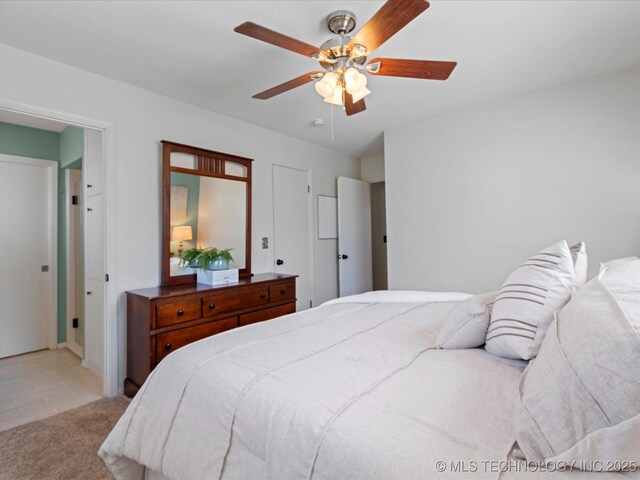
(92, 368)
(62, 345)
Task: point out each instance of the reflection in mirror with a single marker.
(207, 212)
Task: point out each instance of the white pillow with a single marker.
(579, 255)
(616, 262)
(466, 323)
(579, 400)
(526, 303)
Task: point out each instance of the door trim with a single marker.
(52, 253)
(110, 375)
(310, 229)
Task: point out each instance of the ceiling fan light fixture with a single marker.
(356, 97)
(336, 98)
(324, 89)
(356, 84)
(331, 78)
(350, 75)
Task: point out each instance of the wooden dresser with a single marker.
(162, 319)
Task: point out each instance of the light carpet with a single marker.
(64, 446)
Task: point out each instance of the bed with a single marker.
(354, 388)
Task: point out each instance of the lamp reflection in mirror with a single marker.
(181, 233)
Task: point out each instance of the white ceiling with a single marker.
(189, 51)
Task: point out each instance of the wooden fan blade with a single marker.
(430, 70)
(285, 87)
(258, 32)
(388, 21)
(351, 107)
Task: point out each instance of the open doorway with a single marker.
(379, 236)
(99, 178)
(55, 370)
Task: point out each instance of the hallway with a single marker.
(40, 384)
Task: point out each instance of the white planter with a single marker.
(217, 277)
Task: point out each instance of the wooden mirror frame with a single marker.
(210, 164)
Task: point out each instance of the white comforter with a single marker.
(352, 389)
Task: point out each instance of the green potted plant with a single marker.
(206, 258)
(189, 257)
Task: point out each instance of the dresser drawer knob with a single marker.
(180, 312)
(212, 306)
(282, 291)
(262, 295)
(167, 346)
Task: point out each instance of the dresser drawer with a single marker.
(267, 314)
(171, 341)
(177, 312)
(282, 293)
(239, 300)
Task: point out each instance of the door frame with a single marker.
(71, 286)
(310, 219)
(52, 251)
(110, 382)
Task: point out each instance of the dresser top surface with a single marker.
(164, 292)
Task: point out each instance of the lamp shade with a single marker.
(181, 232)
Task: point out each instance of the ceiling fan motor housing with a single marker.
(341, 22)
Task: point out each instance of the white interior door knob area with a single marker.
(354, 236)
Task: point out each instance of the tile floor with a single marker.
(39, 384)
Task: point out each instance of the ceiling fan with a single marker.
(343, 80)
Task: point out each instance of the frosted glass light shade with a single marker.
(330, 78)
(357, 83)
(356, 97)
(324, 89)
(336, 99)
(350, 75)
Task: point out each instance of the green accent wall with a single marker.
(192, 182)
(29, 142)
(35, 143)
(71, 146)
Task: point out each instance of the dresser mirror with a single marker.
(207, 203)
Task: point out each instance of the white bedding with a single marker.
(351, 389)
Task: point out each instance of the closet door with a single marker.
(28, 201)
(292, 229)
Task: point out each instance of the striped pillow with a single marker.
(526, 303)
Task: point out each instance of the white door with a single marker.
(75, 262)
(291, 229)
(94, 253)
(354, 236)
(28, 202)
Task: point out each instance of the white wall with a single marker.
(141, 120)
(471, 195)
(372, 169)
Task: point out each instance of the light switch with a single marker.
(265, 243)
